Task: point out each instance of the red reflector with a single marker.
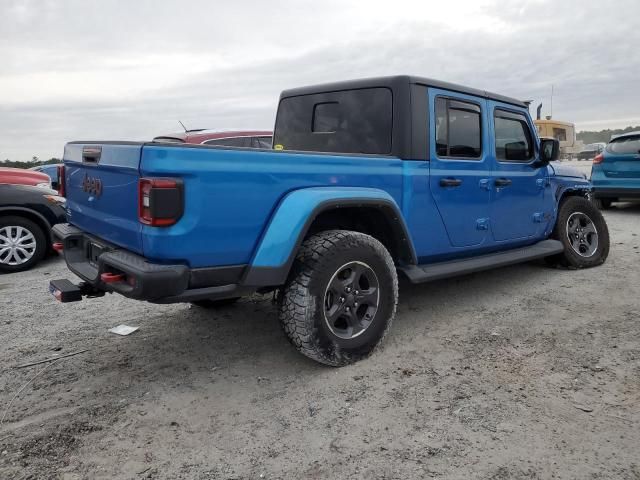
(598, 159)
(58, 247)
(108, 277)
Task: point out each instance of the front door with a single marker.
(460, 166)
(518, 186)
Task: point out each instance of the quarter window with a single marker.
(513, 137)
(458, 129)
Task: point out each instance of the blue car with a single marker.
(616, 171)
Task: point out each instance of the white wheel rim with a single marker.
(17, 245)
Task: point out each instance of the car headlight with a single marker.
(44, 185)
(56, 200)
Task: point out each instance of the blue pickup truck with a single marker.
(367, 179)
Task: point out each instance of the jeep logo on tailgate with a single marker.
(92, 185)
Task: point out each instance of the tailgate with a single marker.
(102, 190)
(622, 166)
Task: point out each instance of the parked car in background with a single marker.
(247, 139)
(22, 176)
(50, 169)
(615, 173)
(27, 214)
(591, 150)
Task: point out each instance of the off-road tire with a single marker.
(569, 258)
(603, 203)
(302, 300)
(224, 302)
(40, 240)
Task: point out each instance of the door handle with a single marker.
(450, 182)
(502, 182)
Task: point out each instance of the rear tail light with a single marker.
(62, 190)
(160, 202)
(598, 159)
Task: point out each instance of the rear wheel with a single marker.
(583, 231)
(22, 244)
(340, 298)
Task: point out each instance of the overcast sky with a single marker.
(116, 69)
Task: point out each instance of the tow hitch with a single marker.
(66, 291)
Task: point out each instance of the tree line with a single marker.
(35, 162)
(603, 135)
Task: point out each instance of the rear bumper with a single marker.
(89, 258)
(613, 192)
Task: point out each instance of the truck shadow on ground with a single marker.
(247, 335)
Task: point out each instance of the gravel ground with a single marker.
(525, 372)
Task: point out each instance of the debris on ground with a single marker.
(123, 330)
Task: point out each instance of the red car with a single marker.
(250, 139)
(21, 176)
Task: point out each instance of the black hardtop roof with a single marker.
(398, 81)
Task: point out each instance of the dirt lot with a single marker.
(525, 372)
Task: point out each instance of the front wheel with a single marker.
(340, 298)
(583, 231)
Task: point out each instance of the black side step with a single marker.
(436, 271)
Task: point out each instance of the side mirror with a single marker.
(549, 151)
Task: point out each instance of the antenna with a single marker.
(185, 128)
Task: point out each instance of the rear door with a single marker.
(622, 158)
(518, 187)
(102, 191)
(460, 166)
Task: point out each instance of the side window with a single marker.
(513, 138)
(348, 121)
(458, 129)
(560, 134)
(230, 142)
(264, 142)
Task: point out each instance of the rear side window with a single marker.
(261, 142)
(458, 129)
(230, 142)
(350, 121)
(625, 145)
(513, 138)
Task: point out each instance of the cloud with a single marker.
(130, 70)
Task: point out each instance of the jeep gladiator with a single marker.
(366, 179)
